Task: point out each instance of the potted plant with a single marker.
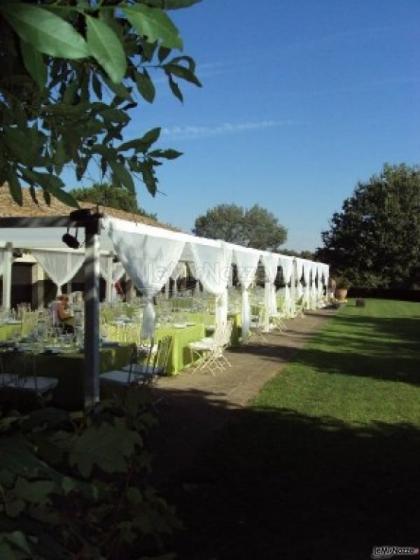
(341, 288)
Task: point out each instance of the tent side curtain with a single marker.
(1, 262)
(117, 268)
(246, 261)
(212, 263)
(148, 259)
(271, 263)
(287, 264)
(59, 265)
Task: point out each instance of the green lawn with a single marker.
(326, 462)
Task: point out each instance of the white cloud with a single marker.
(204, 131)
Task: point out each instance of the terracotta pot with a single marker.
(341, 294)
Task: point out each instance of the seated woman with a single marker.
(64, 314)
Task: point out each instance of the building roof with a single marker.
(29, 209)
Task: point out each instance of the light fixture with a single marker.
(71, 240)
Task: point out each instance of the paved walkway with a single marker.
(194, 404)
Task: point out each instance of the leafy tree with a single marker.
(301, 254)
(254, 227)
(110, 195)
(71, 72)
(375, 240)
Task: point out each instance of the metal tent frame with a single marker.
(89, 221)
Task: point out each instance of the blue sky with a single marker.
(300, 100)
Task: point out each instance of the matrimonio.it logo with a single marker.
(380, 552)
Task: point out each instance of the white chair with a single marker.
(258, 326)
(209, 351)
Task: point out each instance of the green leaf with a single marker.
(14, 546)
(115, 115)
(25, 144)
(34, 492)
(167, 154)
(183, 72)
(145, 86)
(45, 31)
(151, 136)
(14, 507)
(52, 184)
(34, 64)
(122, 175)
(149, 178)
(14, 187)
(96, 86)
(106, 446)
(172, 4)
(175, 88)
(59, 156)
(141, 144)
(163, 53)
(154, 24)
(106, 48)
(119, 90)
(62, 196)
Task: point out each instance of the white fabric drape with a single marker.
(326, 277)
(1, 262)
(212, 267)
(149, 260)
(111, 272)
(270, 262)
(60, 266)
(286, 264)
(180, 271)
(320, 270)
(246, 261)
(313, 289)
(299, 272)
(307, 266)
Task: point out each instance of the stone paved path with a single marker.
(193, 405)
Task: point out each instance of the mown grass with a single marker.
(326, 462)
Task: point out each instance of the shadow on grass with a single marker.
(379, 348)
(274, 484)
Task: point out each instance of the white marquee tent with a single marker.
(150, 256)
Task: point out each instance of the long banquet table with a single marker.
(68, 368)
(180, 356)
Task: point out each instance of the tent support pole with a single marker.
(109, 283)
(91, 296)
(7, 276)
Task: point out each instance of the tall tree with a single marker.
(71, 72)
(254, 227)
(109, 195)
(375, 239)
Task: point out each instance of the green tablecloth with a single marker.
(67, 368)
(9, 331)
(179, 356)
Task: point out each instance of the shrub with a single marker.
(75, 485)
